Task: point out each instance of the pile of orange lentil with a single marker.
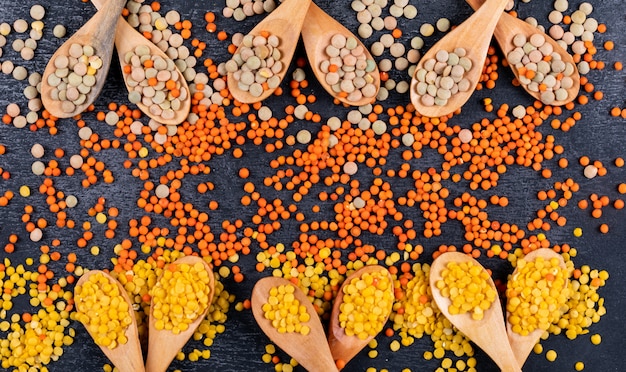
(304, 188)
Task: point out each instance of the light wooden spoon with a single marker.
(509, 26)
(285, 22)
(488, 333)
(97, 32)
(523, 345)
(342, 346)
(126, 357)
(311, 351)
(163, 345)
(126, 40)
(317, 32)
(474, 34)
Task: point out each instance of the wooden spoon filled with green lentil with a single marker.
(543, 68)
(154, 82)
(361, 309)
(340, 61)
(448, 73)
(465, 293)
(288, 318)
(76, 72)
(106, 311)
(264, 54)
(180, 301)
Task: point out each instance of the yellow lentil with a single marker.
(25, 191)
(101, 218)
(596, 339)
(536, 295)
(578, 232)
(367, 302)
(394, 345)
(551, 355)
(467, 286)
(102, 309)
(180, 296)
(579, 366)
(285, 312)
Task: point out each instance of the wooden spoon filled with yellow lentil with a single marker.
(181, 299)
(537, 293)
(104, 308)
(360, 311)
(288, 318)
(467, 296)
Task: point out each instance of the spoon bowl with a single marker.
(342, 346)
(509, 26)
(523, 345)
(489, 333)
(317, 32)
(474, 34)
(126, 357)
(97, 32)
(311, 351)
(285, 22)
(126, 40)
(163, 345)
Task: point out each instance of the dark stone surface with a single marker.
(240, 348)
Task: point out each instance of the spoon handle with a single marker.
(109, 24)
(497, 9)
(504, 27)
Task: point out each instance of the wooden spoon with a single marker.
(488, 333)
(163, 345)
(285, 22)
(522, 345)
(126, 40)
(474, 34)
(509, 26)
(342, 346)
(311, 351)
(317, 31)
(97, 32)
(126, 357)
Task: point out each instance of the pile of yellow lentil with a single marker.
(103, 310)
(285, 312)
(180, 296)
(299, 186)
(536, 295)
(366, 303)
(468, 288)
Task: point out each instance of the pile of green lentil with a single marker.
(304, 188)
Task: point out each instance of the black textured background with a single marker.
(597, 135)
